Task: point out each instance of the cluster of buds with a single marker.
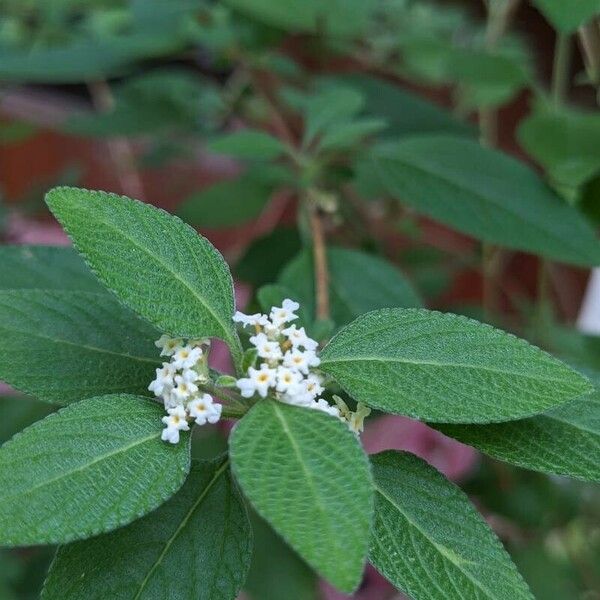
(288, 362)
(177, 384)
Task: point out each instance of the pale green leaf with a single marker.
(346, 134)
(430, 542)
(89, 468)
(446, 368)
(486, 194)
(197, 545)
(156, 264)
(568, 15)
(307, 475)
(62, 346)
(248, 144)
(45, 267)
(358, 282)
(564, 441)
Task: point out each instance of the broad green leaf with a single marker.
(228, 203)
(89, 468)
(486, 194)
(306, 474)
(249, 144)
(430, 542)
(156, 264)
(358, 282)
(403, 112)
(568, 16)
(18, 412)
(295, 580)
(446, 368)
(346, 134)
(565, 441)
(565, 142)
(62, 346)
(197, 545)
(45, 267)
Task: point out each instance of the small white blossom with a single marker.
(325, 407)
(204, 410)
(184, 389)
(186, 357)
(284, 313)
(168, 345)
(175, 422)
(255, 320)
(288, 379)
(164, 379)
(259, 381)
(266, 348)
(299, 338)
(301, 360)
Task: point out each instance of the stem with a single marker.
(561, 68)
(121, 152)
(235, 403)
(320, 262)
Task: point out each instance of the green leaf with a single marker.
(403, 112)
(156, 264)
(45, 267)
(197, 545)
(89, 468)
(430, 542)
(18, 412)
(307, 475)
(228, 203)
(249, 144)
(568, 16)
(62, 346)
(446, 368)
(486, 194)
(347, 134)
(358, 282)
(564, 441)
(565, 142)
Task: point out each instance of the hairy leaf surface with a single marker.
(448, 368)
(86, 469)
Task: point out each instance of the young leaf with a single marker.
(568, 16)
(197, 545)
(446, 368)
(45, 267)
(486, 194)
(89, 468)
(379, 285)
(307, 475)
(156, 264)
(430, 542)
(564, 441)
(248, 144)
(62, 346)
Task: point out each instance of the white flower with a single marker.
(184, 389)
(174, 423)
(164, 379)
(313, 385)
(259, 380)
(299, 338)
(186, 357)
(204, 410)
(288, 380)
(284, 313)
(168, 345)
(325, 407)
(256, 320)
(266, 348)
(301, 360)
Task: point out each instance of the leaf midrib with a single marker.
(83, 467)
(181, 526)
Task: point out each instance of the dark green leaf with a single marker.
(446, 368)
(307, 475)
(18, 412)
(430, 542)
(568, 16)
(89, 468)
(198, 545)
(486, 194)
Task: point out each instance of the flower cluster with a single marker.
(177, 384)
(286, 370)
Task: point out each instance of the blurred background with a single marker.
(140, 97)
